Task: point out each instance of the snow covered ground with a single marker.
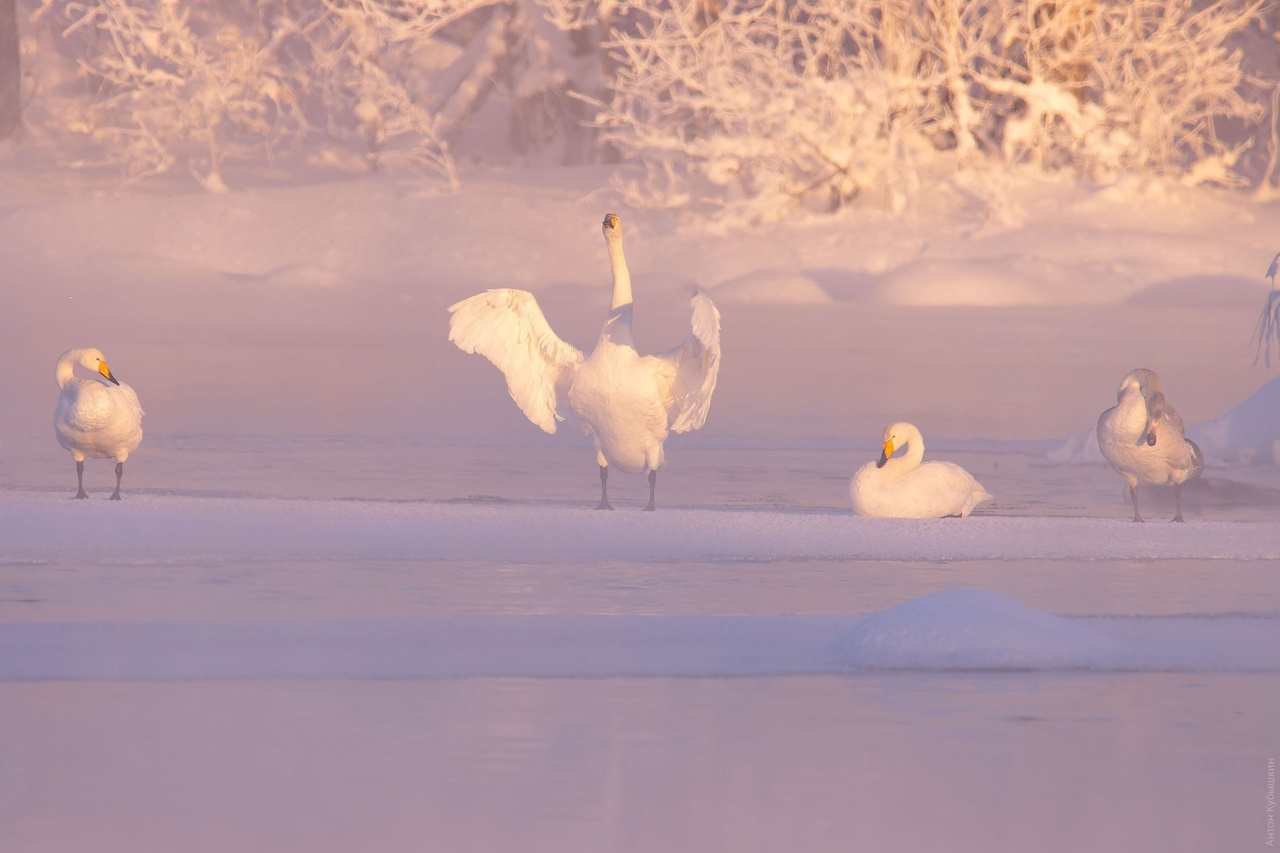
(352, 599)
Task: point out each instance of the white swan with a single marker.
(905, 487)
(627, 402)
(98, 417)
(1143, 439)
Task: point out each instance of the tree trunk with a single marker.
(10, 73)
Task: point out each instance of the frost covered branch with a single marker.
(209, 82)
(764, 105)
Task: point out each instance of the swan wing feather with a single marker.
(507, 327)
(697, 366)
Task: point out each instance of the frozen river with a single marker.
(477, 661)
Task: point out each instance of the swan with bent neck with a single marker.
(627, 402)
(906, 487)
(1143, 438)
(98, 416)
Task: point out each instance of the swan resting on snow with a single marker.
(98, 416)
(627, 402)
(906, 487)
(1143, 439)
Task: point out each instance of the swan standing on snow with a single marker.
(1143, 439)
(906, 487)
(98, 417)
(628, 403)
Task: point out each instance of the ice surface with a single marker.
(43, 527)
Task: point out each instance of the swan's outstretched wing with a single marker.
(508, 328)
(697, 364)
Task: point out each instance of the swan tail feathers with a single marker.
(1197, 460)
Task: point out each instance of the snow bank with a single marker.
(973, 629)
(1248, 434)
(770, 287)
(951, 282)
(950, 630)
(152, 528)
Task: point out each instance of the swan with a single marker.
(1143, 439)
(98, 417)
(906, 487)
(628, 403)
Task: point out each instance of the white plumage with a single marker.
(906, 487)
(627, 402)
(1143, 439)
(97, 417)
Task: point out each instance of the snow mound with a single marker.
(972, 629)
(770, 287)
(1203, 291)
(1079, 449)
(1247, 434)
(950, 283)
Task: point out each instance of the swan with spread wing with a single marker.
(628, 403)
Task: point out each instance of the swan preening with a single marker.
(97, 417)
(627, 402)
(905, 487)
(1143, 439)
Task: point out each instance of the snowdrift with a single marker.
(151, 529)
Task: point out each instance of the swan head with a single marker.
(895, 435)
(612, 224)
(1142, 380)
(94, 360)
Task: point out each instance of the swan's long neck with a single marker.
(66, 369)
(621, 275)
(897, 466)
(1133, 413)
(915, 451)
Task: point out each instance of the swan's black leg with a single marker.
(1133, 494)
(653, 482)
(115, 496)
(604, 488)
(1177, 502)
(80, 493)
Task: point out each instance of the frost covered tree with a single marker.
(768, 104)
(202, 83)
(10, 71)
(764, 105)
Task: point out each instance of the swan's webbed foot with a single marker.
(82, 494)
(604, 505)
